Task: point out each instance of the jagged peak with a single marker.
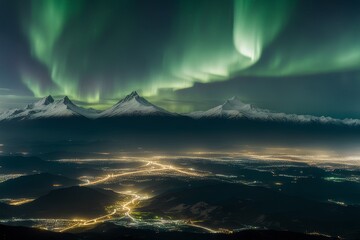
(131, 96)
(235, 103)
(133, 103)
(45, 101)
(65, 100)
(134, 94)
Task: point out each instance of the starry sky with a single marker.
(284, 55)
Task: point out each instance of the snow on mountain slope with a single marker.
(47, 108)
(236, 109)
(65, 108)
(131, 105)
(134, 105)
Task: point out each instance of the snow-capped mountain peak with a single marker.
(235, 103)
(129, 97)
(46, 107)
(65, 107)
(44, 101)
(134, 105)
(234, 108)
(65, 100)
(231, 108)
(135, 97)
(131, 105)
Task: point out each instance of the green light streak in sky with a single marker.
(209, 42)
(47, 21)
(201, 48)
(45, 26)
(34, 86)
(97, 51)
(256, 24)
(212, 43)
(204, 32)
(304, 57)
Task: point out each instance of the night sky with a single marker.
(284, 55)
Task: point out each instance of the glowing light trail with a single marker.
(162, 167)
(17, 202)
(127, 206)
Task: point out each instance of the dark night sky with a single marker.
(284, 55)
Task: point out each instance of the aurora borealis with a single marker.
(286, 55)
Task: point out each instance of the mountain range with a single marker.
(47, 107)
(135, 105)
(232, 206)
(234, 108)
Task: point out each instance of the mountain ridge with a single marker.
(134, 105)
(234, 108)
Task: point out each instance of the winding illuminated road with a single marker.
(161, 167)
(127, 206)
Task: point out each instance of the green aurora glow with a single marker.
(95, 52)
(209, 43)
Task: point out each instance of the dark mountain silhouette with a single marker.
(21, 164)
(34, 185)
(234, 205)
(106, 232)
(72, 202)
